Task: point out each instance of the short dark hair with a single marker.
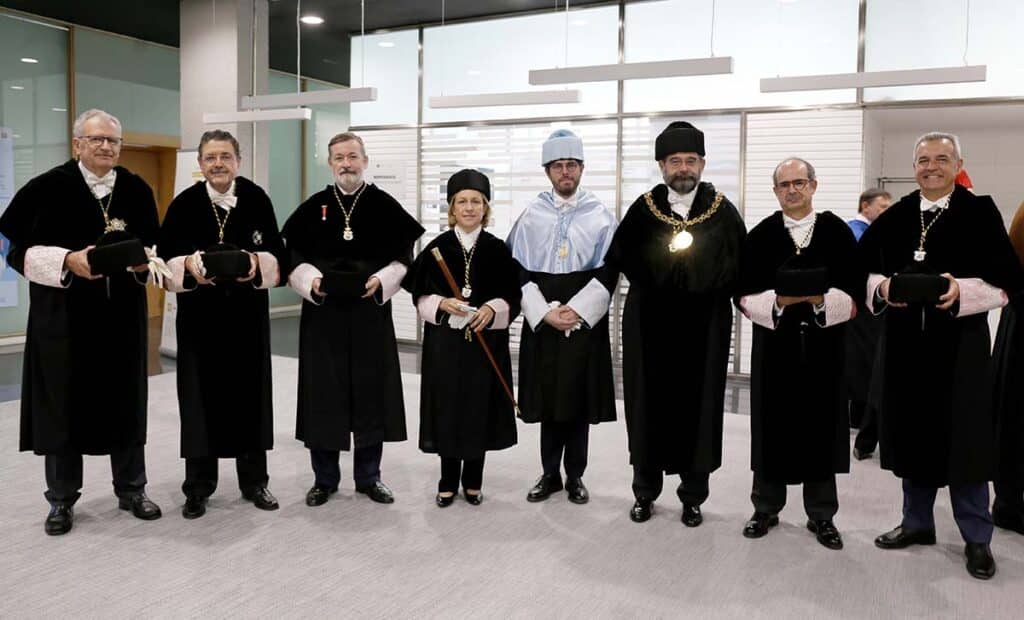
(219, 135)
(869, 196)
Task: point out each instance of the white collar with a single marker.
(100, 186)
(353, 192)
(806, 221)
(467, 239)
(571, 201)
(227, 200)
(942, 203)
(860, 218)
(681, 203)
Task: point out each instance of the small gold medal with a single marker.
(116, 224)
(563, 250)
(919, 255)
(467, 291)
(347, 234)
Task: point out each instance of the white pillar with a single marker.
(219, 65)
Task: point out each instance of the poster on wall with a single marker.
(8, 277)
(186, 173)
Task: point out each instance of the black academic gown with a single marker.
(84, 378)
(677, 323)
(224, 377)
(349, 375)
(464, 410)
(798, 417)
(566, 379)
(1009, 391)
(935, 376)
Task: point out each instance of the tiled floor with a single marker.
(284, 341)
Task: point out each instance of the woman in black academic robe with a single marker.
(464, 410)
(223, 329)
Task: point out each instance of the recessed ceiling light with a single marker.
(386, 44)
(59, 109)
(312, 20)
(16, 87)
(29, 60)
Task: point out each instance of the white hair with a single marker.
(931, 136)
(78, 128)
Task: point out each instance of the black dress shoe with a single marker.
(317, 496)
(641, 510)
(861, 455)
(1007, 517)
(378, 492)
(141, 506)
(578, 493)
(900, 538)
(444, 502)
(692, 516)
(59, 520)
(473, 499)
(759, 524)
(262, 499)
(826, 533)
(194, 507)
(546, 485)
(980, 563)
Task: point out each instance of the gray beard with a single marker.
(682, 186)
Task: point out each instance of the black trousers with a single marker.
(692, 490)
(821, 501)
(1010, 494)
(64, 475)
(970, 509)
(365, 465)
(471, 472)
(867, 436)
(201, 473)
(568, 438)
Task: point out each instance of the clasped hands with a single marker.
(480, 320)
(562, 318)
(946, 300)
(190, 265)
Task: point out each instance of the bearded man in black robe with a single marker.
(351, 245)
(679, 246)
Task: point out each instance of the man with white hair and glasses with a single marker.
(938, 260)
(82, 235)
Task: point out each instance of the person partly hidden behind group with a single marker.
(85, 236)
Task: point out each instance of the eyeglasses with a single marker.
(797, 184)
(97, 141)
(215, 159)
(571, 166)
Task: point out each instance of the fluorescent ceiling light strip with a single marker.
(255, 116)
(874, 79)
(633, 71)
(292, 100)
(529, 97)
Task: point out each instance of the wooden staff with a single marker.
(483, 343)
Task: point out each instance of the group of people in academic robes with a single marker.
(941, 403)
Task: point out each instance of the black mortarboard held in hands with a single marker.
(226, 261)
(679, 137)
(115, 252)
(469, 179)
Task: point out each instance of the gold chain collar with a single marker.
(678, 224)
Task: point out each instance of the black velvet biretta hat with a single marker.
(679, 137)
(469, 179)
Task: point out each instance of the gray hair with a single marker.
(345, 137)
(811, 175)
(78, 128)
(938, 135)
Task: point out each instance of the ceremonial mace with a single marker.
(483, 343)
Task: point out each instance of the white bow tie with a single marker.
(100, 186)
(225, 201)
(562, 202)
(676, 199)
(790, 223)
(941, 203)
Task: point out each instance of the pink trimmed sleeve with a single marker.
(270, 271)
(301, 281)
(427, 307)
(758, 308)
(839, 307)
(977, 296)
(176, 283)
(874, 281)
(501, 312)
(44, 264)
(390, 281)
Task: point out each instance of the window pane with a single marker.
(33, 131)
(765, 38)
(995, 27)
(392, 67)
(496, 56)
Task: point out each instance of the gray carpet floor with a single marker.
(506, 558)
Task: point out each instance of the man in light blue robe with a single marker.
(565, 366)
